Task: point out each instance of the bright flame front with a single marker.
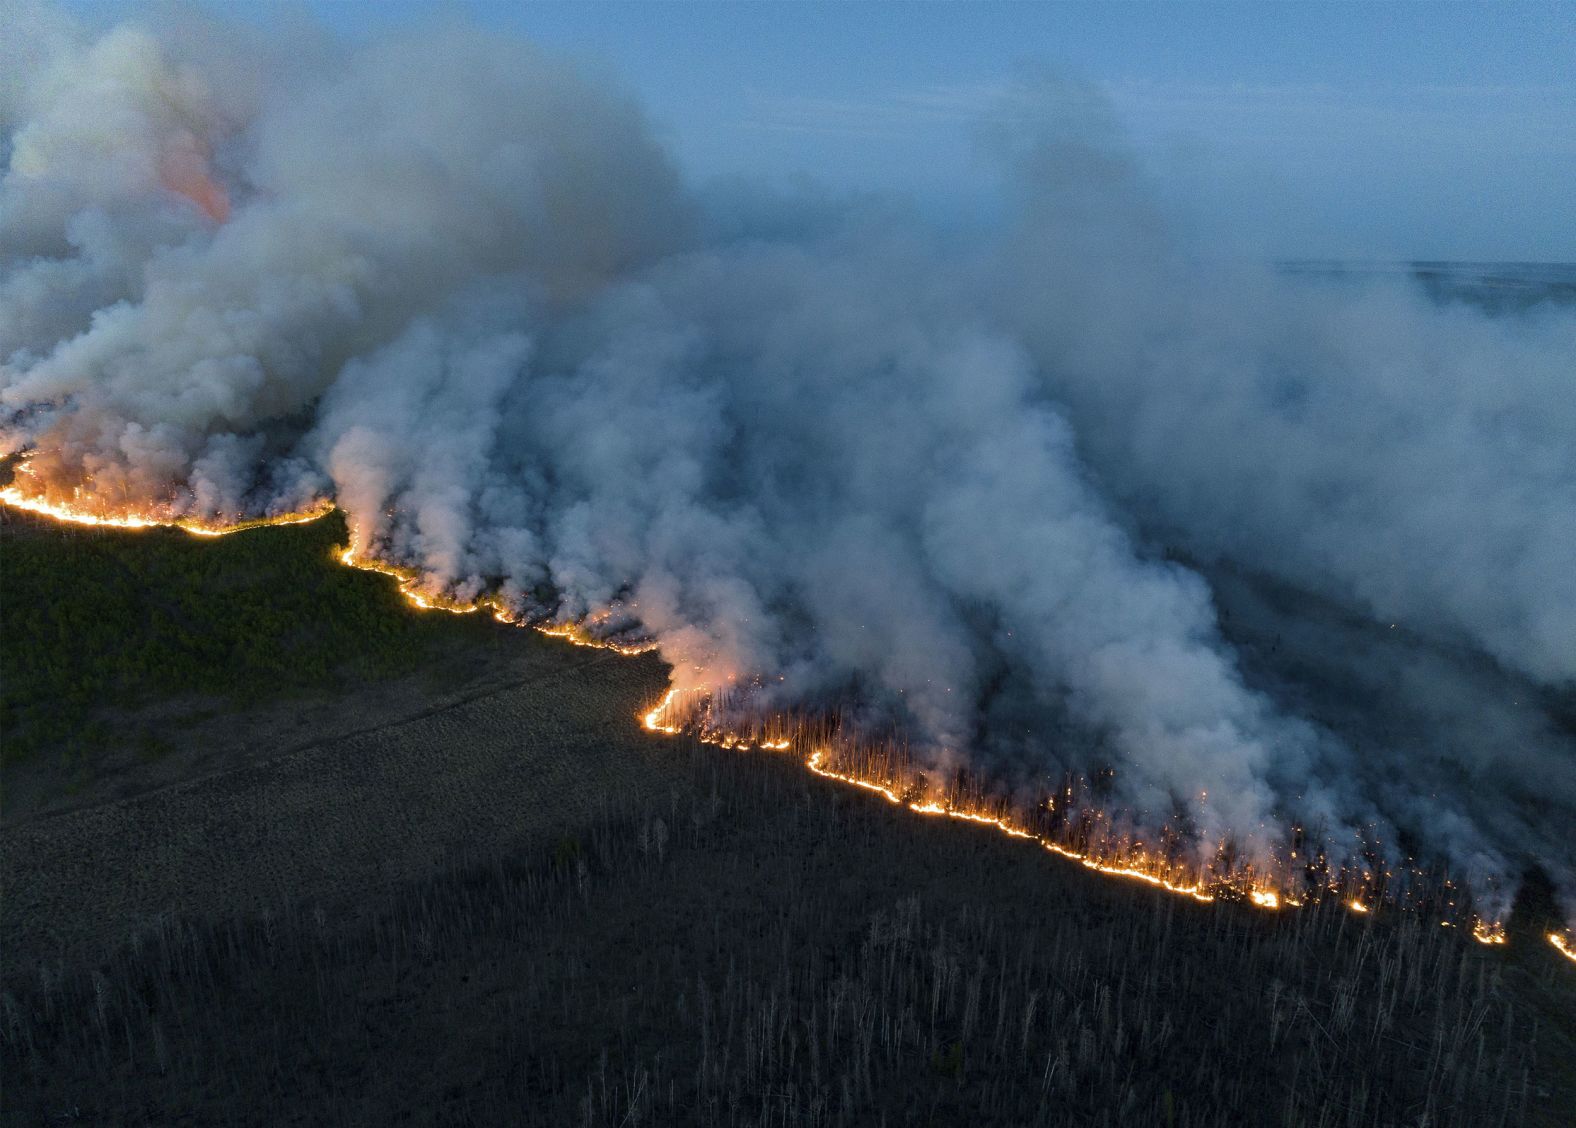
(666, 717)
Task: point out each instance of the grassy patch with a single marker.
(100, 621)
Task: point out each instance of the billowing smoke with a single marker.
(1272, 550)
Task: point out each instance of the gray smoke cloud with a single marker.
(1039, 502)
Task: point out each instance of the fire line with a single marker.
(660, 719)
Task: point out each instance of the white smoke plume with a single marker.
(1001, 495)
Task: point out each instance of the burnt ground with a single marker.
(480, 895)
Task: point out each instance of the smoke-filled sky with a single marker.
(1064, 492)
(1420, 131)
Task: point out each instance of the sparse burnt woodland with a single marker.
(761, 947)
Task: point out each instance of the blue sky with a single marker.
(1347, 130)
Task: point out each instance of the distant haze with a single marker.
(1397, 131)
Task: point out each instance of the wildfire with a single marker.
(1150, 875)
(654, 720)
(407, 579)
(73, 515)
(1194, 890)
(664, 718)
(185, 172)
(667, 718)
(575, 635)
(1485, 933)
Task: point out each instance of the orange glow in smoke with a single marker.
(185, 172)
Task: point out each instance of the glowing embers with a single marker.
(80, 512)
(408, 581)
(1105, 853)
(14, 498)
(1134, 864)
(1192, 889)
(698, 712)
(657, 719)
(1485, 933)
(94, 513)
(1563, 945)
(1063, 826)
(1086, 838)
(576, 634)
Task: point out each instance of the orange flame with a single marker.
(72, 515)
(184, 171)
(1485, 933)
(664, 717)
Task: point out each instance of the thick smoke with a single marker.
(457, 287)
